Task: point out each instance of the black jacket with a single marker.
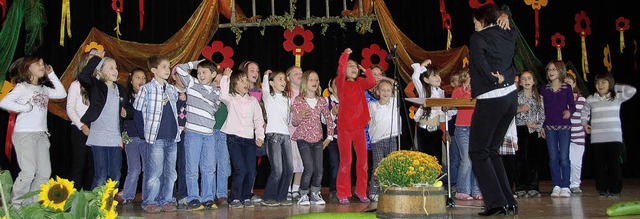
(97, 91)
(491, 50)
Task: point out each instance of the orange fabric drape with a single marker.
(183, 46)
(409, 53)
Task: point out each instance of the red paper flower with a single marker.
(622, 24)
(226, 51)
(555, 38)
(477, 4)
(117, 6)
(582, 17)
(290, 46)
(446, 21)
(374, 49)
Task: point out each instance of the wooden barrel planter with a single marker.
(412, 202)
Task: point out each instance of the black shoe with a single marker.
(494, 211)
(195, 205)
(513, 209)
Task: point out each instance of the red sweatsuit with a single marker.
(353, 116)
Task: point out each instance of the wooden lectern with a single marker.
(448, 103)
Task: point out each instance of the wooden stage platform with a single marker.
(585, 205)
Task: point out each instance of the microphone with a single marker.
(393, 53)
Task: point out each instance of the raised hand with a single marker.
(227, 72)
(348, 50)
(48, 69)
(267, 72)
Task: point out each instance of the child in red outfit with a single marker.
(351, 90)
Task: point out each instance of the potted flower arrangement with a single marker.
(410, 186)
(59, 199)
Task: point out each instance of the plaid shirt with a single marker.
(150, 103)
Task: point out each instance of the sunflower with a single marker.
(108, 204)
(55, 193)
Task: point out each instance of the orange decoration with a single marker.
(536, 5)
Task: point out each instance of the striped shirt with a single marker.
(151, 99)
(202, 101)
(577, 130)
(605, 114)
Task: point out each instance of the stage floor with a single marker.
(585, 205)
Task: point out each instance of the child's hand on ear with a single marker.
(48, 69)
(348, 50)
(267, 72)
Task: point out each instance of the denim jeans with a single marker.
(200, 158)
(311, 154)
(160, 172)
(466, 182)
(135, 159)
(107, 163)
(180, 188)
(334, 163)
(278, 148)
(454, 162)
(242, 152)
(380, 149)
(223, 164)
(558, 145)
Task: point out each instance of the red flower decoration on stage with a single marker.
(290, 46)
(117, 6)
(477, 4)
(557, 40)
(446, 21)
(374, 49)
(226, 51)
(622, 24)
(582, 17)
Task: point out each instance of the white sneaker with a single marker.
(316, 199)
(565, 192)
(373, 197)
(556, 191)
(304, 200)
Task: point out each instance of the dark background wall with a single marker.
(419, 19)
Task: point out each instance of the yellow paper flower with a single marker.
(55, 193)
(108, 204)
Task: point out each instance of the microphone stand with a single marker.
(399, 97)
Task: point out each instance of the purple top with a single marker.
(555, 103)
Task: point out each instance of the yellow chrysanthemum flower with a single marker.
(55, 193)
(108, 204)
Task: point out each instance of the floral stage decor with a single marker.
(59, 199)
(410, 186)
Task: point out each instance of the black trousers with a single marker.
(608, 166)
(529, 146)
(489, 123)
(430, 142)
(82, 160)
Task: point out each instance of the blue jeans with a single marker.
(278, 148)
(160, 172)
(223, 164)
(107, 162)
(242, 152)
(454, 162)
(311, 154)
(180, 190)
(558, 142)
(135, 159)
(466, 182)
(199, 152)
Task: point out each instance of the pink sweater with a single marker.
(245, 115)
(309, 129)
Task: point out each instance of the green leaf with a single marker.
(7, 182)
(79, 204)
(30, 194)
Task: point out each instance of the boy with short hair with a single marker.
(202, 103)
(157, 102)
